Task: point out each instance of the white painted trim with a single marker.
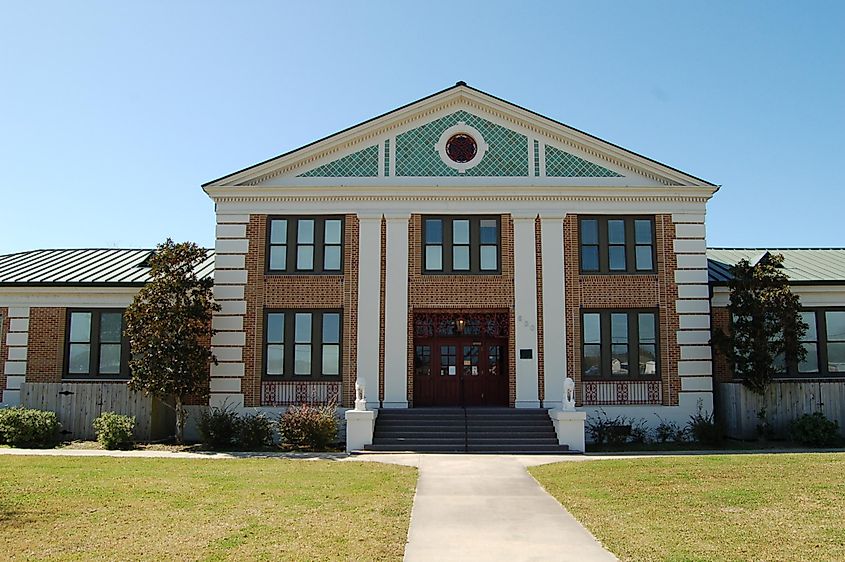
(396, 313)
(688, 218)
(232, 307)
(693, 291)
(229, 338)
(690, 246)
(392, 166)
(369, 291)
(223, 218)
(693, 337)
(15, 368)
(227, 370)
(695, 352)
(233, 323)
(17, 339)
(691, 261)
(230, 277)
(554, 310)
(18, 324)
(696, 368)
(16, 353)
(689, 231)
(14, 382)
(229, 261)
(381, 158)
(231, 292)
(224, 385)
(481, 146)
(228, 353)
(231, 231)
(525, 311)
(696, 384)
(692, 306)
(693, 276)
(694, 321)
(231, 246)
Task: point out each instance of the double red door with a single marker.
(460, 371)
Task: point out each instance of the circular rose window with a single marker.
(461, 148)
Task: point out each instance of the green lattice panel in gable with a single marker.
(415, 153)
(363, 163)
(560, 164)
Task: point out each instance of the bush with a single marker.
(669, 432)
(815, 430)
(219, 427)
(114, 431)
(309, 427)
(616, 431)
(703, 427)
(255, 432)
(22, 427)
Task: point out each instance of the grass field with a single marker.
(716, 507)
(172, 509)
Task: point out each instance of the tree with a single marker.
(169, 328)
(767, 322)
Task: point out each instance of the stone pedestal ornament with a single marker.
(568, 395)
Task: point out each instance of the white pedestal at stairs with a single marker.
(569, 426)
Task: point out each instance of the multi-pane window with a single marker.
(616, 244)
(823, 343)
(302, 343)
(461, 245)
(305, 244)
(95, 346)
(619, 344)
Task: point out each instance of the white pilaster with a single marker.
(525, 310)
(693, 307)
(396, 313)
(230, 279)
(17, 340)
(554, 310)
(369, 294)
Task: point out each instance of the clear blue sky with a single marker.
(113, 113)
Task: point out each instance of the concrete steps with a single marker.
(481, 430)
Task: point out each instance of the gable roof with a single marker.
(256, 172)
(84, 267)
(803, 266)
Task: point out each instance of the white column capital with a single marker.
(553, 215)
(370, 215)
(397, 216)
(523, 215)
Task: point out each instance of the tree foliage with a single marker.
(766, 323)
(169, 328)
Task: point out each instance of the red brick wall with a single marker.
(460, 293)
(298, 291)
(625, 291)
(46, 346)
(720, 318)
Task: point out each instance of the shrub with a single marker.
(219, 427)
(669, 432)
(114, 431)
(309, 427)
(255, 432)
(703, 427)
(815, 430)
(22, 427)
(616, 431)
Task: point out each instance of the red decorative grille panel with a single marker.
(289, 393)
(622, 393)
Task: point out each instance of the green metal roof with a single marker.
(805, 266)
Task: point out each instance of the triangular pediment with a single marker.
(461, 133)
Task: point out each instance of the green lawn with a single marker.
(174, 509)
(715, 507)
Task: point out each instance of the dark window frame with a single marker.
(317, 343)
(821, 341)
(630, 245)
(447, 259)
(319, 245)
(94, 342)
(606, 355)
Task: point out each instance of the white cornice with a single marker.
(67, 296)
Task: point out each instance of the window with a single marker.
(824, 343)
(619, 344)
(305, 245)
(95, 346)
(461, 245)
(617, 244)
(302, 344)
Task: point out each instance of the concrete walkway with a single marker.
(486, 507)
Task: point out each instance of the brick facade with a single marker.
(623, 291)
(265, 291)
(461, 293)
(46, 347)
(720, 318)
